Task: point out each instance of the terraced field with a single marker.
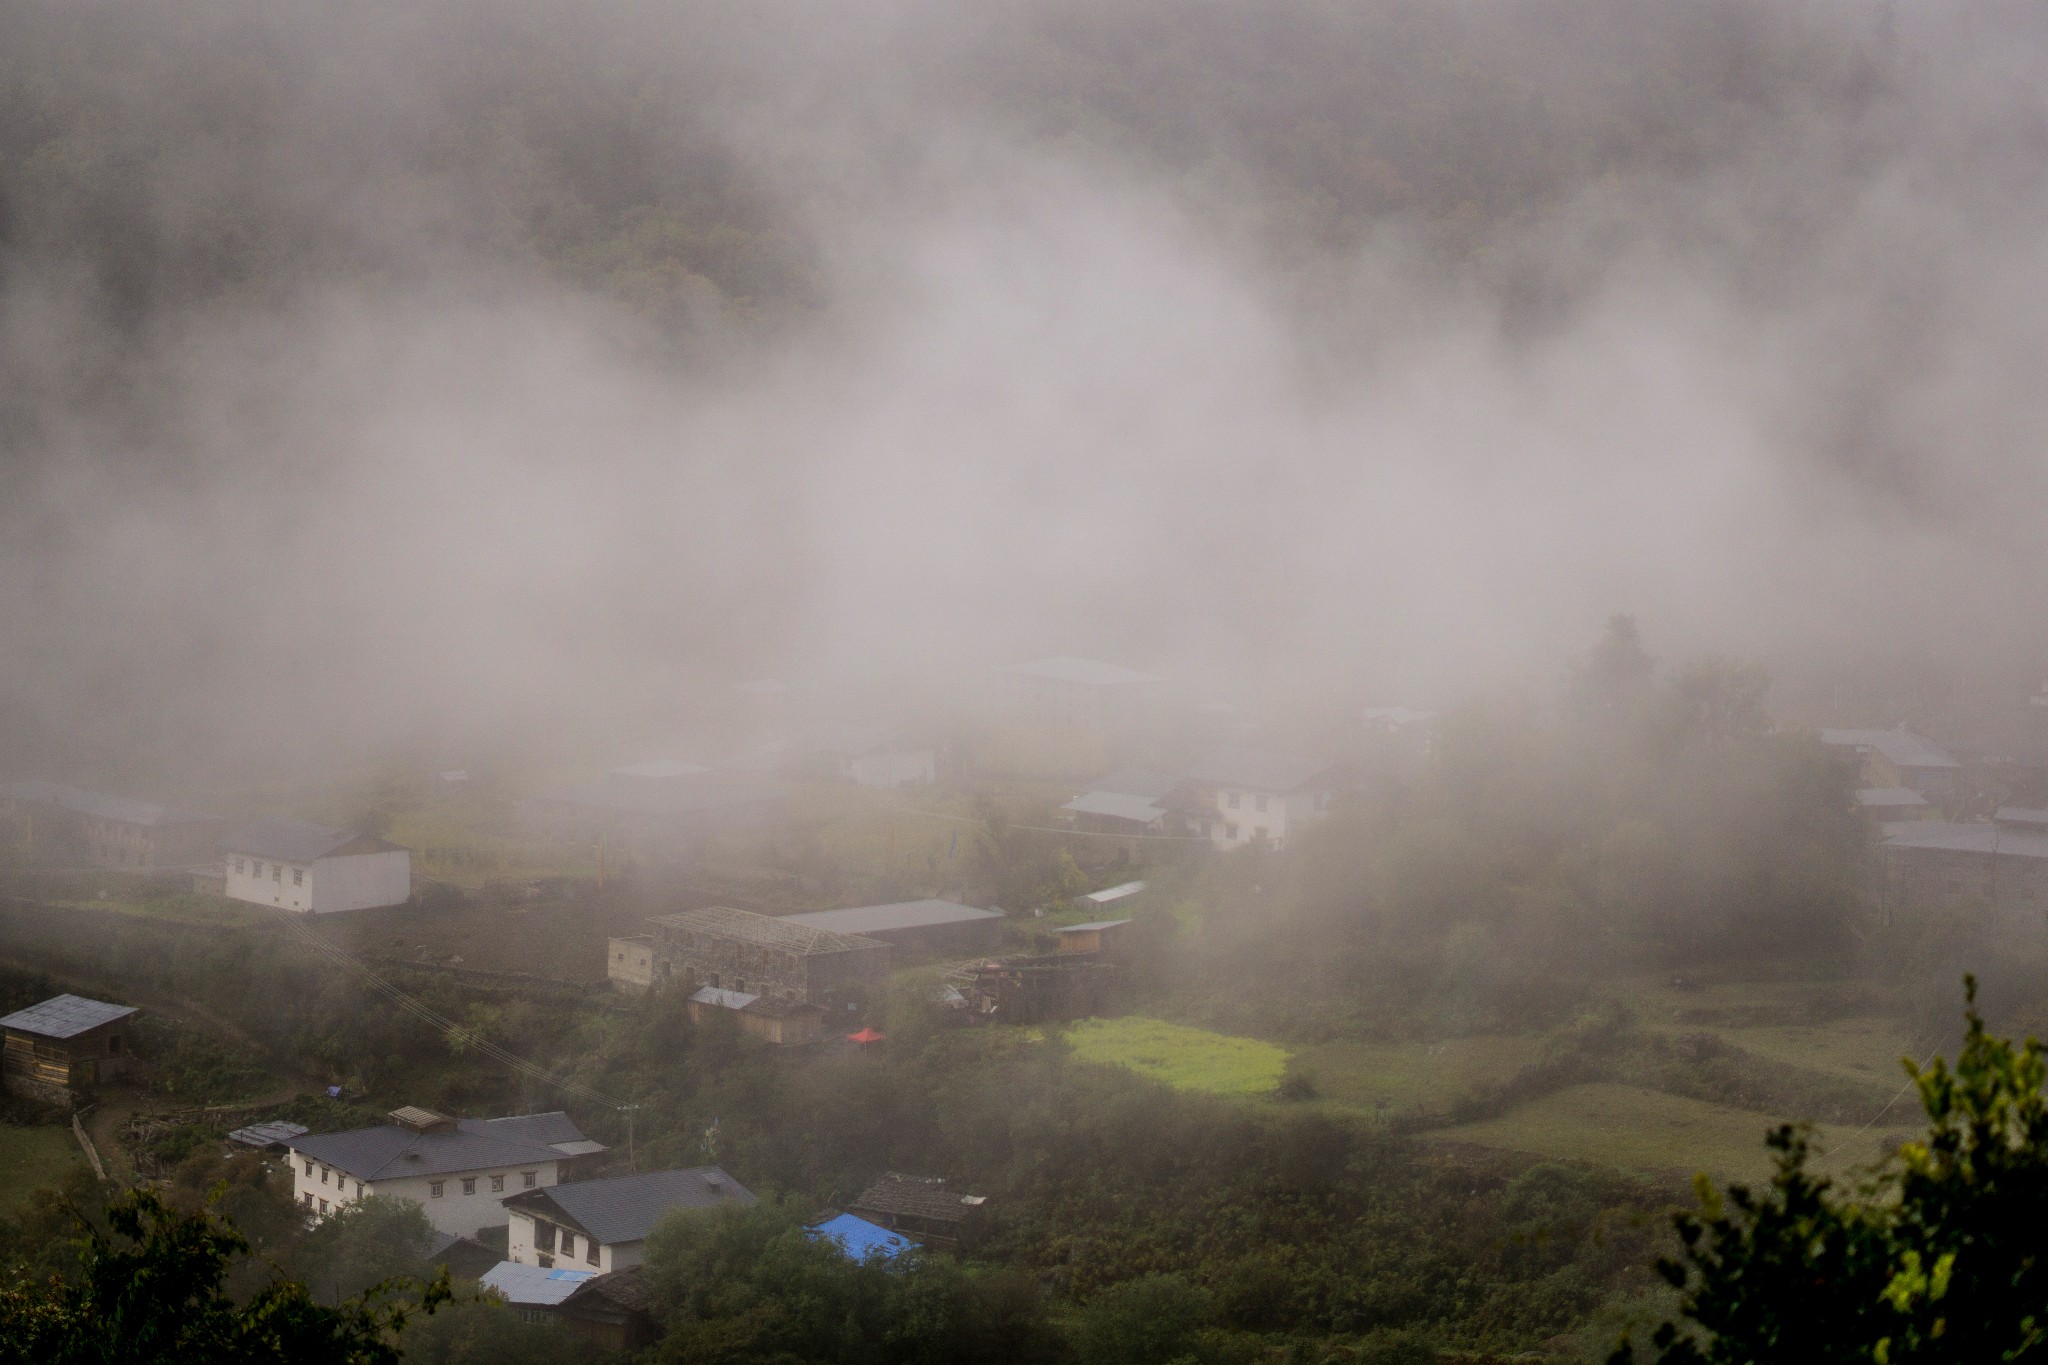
(31, 1159)
(1182, 1057)
(1395, 1078)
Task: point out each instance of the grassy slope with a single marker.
(32, 1159)
(1397, 1077)
(1184, 1058)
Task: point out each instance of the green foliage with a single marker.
(1935, 1259)
(1151, 1320)
(150, 1289)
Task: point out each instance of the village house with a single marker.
(913, 927)
(1080, 694)
(629, 962)
(769, 958)
(1127, 801)
(615, 1312)
(314, 869)
(782, 1022)
(1252, 796)
(63, 825)
(2001, 863)
(922, 1208)
(658, 811)
(602, 1225)
(459, 1170)
(51, 1051)
(1900, 758)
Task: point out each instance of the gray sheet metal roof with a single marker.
(1260, 770)
(1092, 925)
(1086, 672)
(723, 921)
(870, 919)
(2022, 815)
(1139, 810)
(625, 1208)
(1889, 796)
(388, 1151)
(724, 999)
(1110, 895)
(1136, 782)
(65, 1016)
(290, 841)
(1901, 746)
(1977, 836)
(533, 1286)
(120, 809)
(270, 1134)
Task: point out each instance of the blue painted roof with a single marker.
(860, 1239)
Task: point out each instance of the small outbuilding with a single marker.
(1104, 936)
(63, 1045)
(783, 1022)
(920, 1206)
(859, 1239)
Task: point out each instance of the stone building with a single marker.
(59, 824)
(772, 959)
(2001, 863)
(64, 1045)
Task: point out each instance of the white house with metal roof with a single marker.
(314, 869)
(459, 1170)
(602, 1225)
(1255, 796)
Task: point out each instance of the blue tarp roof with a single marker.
(860, 1239)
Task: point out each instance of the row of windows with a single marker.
(255, 868)
(437, 1188)
(544, 1244)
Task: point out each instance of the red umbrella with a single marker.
(866, 1035)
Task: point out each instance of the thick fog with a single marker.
(1062, 369)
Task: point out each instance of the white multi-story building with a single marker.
(602, 1225)
(459, 1170)
(1248, 796)
(314, 869)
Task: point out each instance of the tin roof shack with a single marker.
(914, 928)
(1127, 801)
(659, 812)
(2001, 863)
(62, 1046)
(781, 1022)
(602, 1225)
(738, 950)
(59, 824)
(314, 869)
(629, 962)
(1900, 758)
(1106, 937)
(458, 1170)
(922, 1208)
(615, 1311)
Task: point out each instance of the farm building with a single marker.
(63, 1045)
(738, 950)
(1127, 801)
(2001, 863)
(1900, 758)
(920, 1207)
(1105, 936)
(615, 1312)
(458, 1170)
(1252, 796)
(1080, 694)
(314, 869)
(63, 825)
(783, 1022)
(629, 962)
(913, 927)
(660, 811)
(602, 1225)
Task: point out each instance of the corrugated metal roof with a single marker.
(859, 1239)
(1900, 746)
(65, 1016)
(388, 1150)
(722, 921)
(532, 1286)
(1086, 672)
(1978, 836)
(1138, 810)
(732, 1000)
(1093, 926)
(2022, 815)
(291, 841)
(268, 1134)
(120, 809)
(870, 919)
(1260, 770)
(1110, 895)
(625, 1208)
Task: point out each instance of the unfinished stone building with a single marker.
(759, 955)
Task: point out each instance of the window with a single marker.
(531, 1178)
(309, 1170)
(1260, 802)
(1230, 799)
(739, 983)
(469, 1184)
(434, 1189)
(590, 1250)
(298, 876)
(534, 1315)
(543, 1235)
(240, 866)
(324, 1173)
(546, 1262)
(497, 1183)
(359, 1189)
(277, 872)
(113, 1043)
(1229, 831)
(568, 1243)
(323, 1206)
(257, 868)
(308, 1197)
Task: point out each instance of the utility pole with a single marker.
(630, 1110)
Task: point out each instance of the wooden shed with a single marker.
(1103, 936)
(65, 1044)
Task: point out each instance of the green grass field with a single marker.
(31, 1159)
(1645, 1130)
(1387, 1078)
(1184, 1058)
